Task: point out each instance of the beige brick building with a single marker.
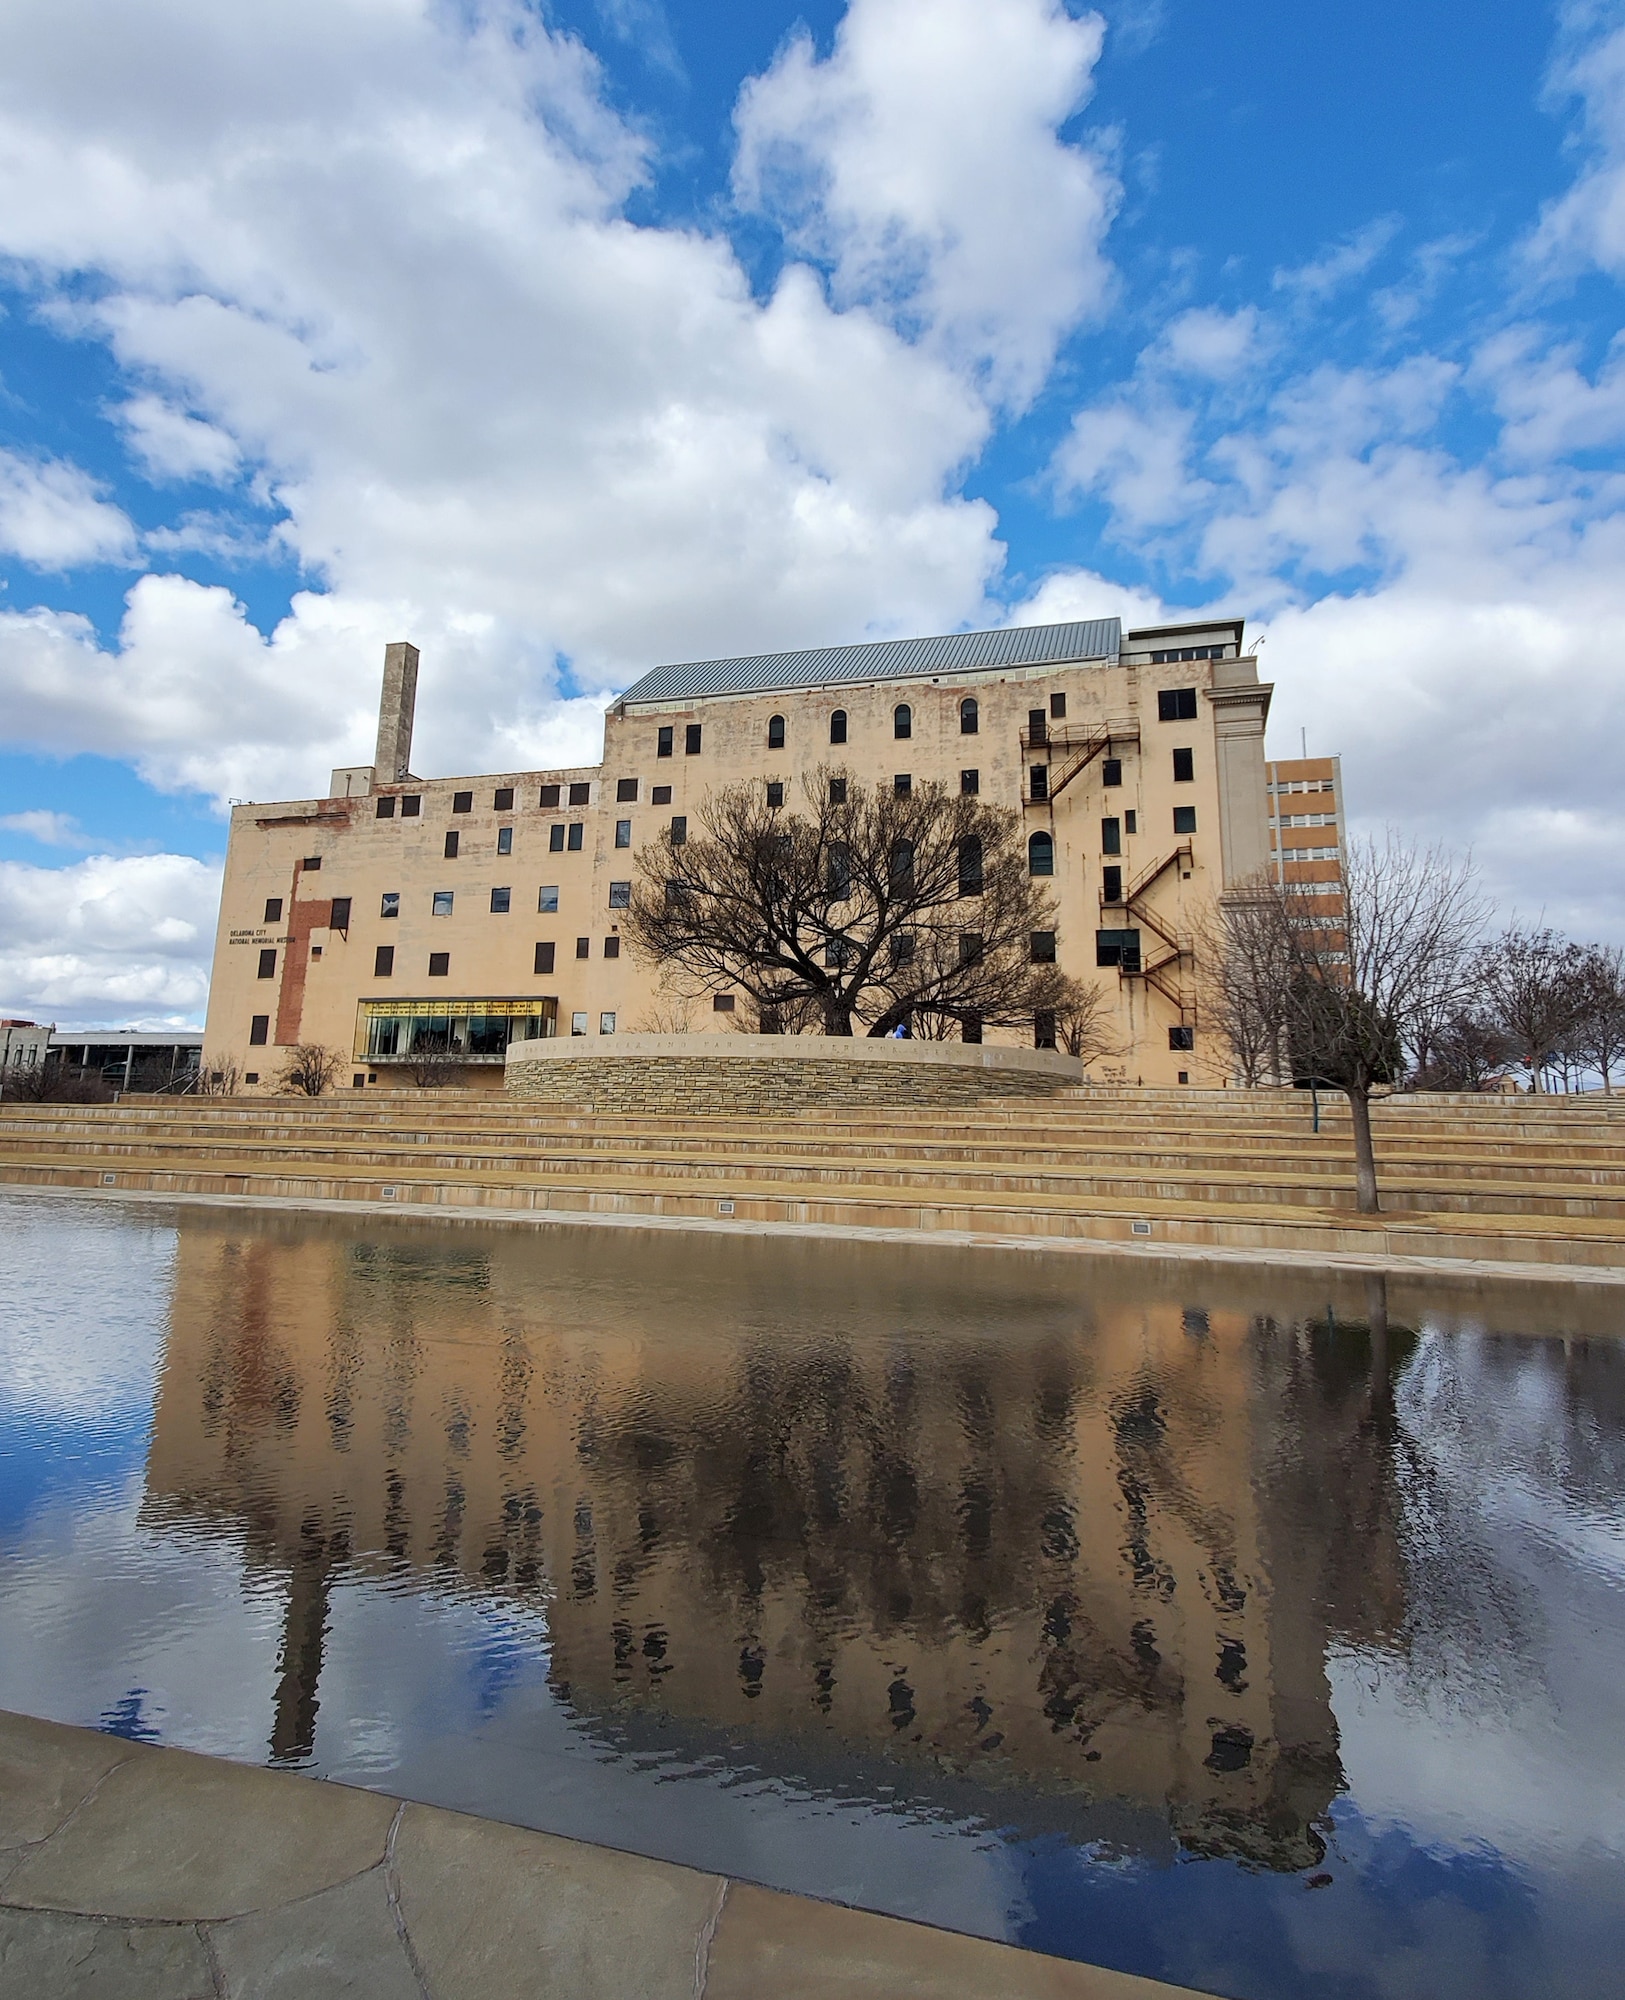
(403, 914)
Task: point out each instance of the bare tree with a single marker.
(308, 1069)
(53, 1082)
(1529, 983)
(667, 1015)
(218, 1076)
(1246, 960)
(1465, 1053)
(431, 1065)
(1600, 1041)
(1082, 1017)
(872, 907)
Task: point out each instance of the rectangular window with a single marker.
(339, 917)
(504, 840)
(311, 864)
(580, 794)
(548, 799)
(623, 833)
(837, 791)
(626, 791)
(544, 958)
(389, 904)
(1042, 950)
(1111, 885)
(606, 1024)
(902, 785)
(583, 947)
(1182, 1038)
(1131, 821)
(1120, 948)
(267, 964)
(411, 804)
(612, 947)
(383, 962)
(578, 1024)
(620, 895)
(970, 947)
(970, 1027)
(439, 964)
(555, 837)
(501, 900)
(502, 799)
(1040, 781)
(722, 1003)
(679, 830)
(259, 1031)
(661, 795)
(385, 807)
(1184, 819)
(273, 909)
(691, 739)
(1184, 767)
(462, 802)
(1176, 704)
(251, 1076)
(970, 783)
(1111, 836)
(547, 897)
(1057, 707)
(1111, 771)
(775, 792)
(1044, 1028)
(573, 842)
(440, 903)
(663, 744)
(451, 845)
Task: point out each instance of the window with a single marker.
(970, 947)
(451, 845)
(502, 799)
(580, 794)
(626, 791)
(1119, 948)
(578, 1024)
(970, 717)
(1037, 726)
(970, 1027)
(722, 1003)
(661, 795)
(837, 791)
(573, 840)
(385, 807)
(555, 838)
(838, 875)
(679, 830)
(1176, 704)
(462, 802)
(1188, 653)
(970, 866)
(902, 722)
(1184, 819)
(606, 1024)
(775, 732)
(1182, 1038)
(504, 840)
(691, 739)
(1040, 781)
(544, 958)
(501, 902)
(1044, 1028)
(620, 895)
(1041, 948)
(311, 864)
(623, 833)
(1111, 885)
(259, 1031)
(267, 964)
(411, 804)
(1131, 821)
(775, 792)
(360, 1082)
(1111, 836)
(1184, 767)
(251, 1076)
(902, 785)
(1041, 855)
(549, 798)
(612, 947)
(339, 916)
(389, 904)
(273, 909)
(547, 897)
(1057, 707)
(583, 947)
(970, 783)
(901, 867)
(383, 961)
(439, 964)
(835, 954)
(440, 903)
(662, 749)
(1111, 771)
(902, 948)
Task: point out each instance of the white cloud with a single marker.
(1335, 267)
(52, 516)
(1549, 406)
(107, 939)
(50, 829)
(172, 445)
(1138, 455)
(921, 160)
(1586, 225)
(1216, 344)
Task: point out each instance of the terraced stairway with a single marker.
(1502, 1180)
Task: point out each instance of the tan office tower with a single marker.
(401, 915)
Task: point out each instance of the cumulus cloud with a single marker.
(172, 445)
(49, 829)
(108, 938)
(53, 516)
(1586, 224)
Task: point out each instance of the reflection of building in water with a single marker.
(1032, 1540)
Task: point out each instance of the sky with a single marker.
(567, 340)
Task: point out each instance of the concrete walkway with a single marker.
(134, 1873)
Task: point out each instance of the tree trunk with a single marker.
(1365, 1160)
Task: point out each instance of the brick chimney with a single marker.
(393, 758)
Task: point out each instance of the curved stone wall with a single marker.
(765, 1074)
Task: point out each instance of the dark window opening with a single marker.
(970, 783)
(544, 958)
(385, 808)
(663, 743)
(1120, 948)
(311, 864)
(691, 739)
(970, 866)
(902, 785)
(439, 964)
(273, 909)
(970, 717)
(383, 961)
(259, 1031)
(267, 964)
(902, 722)
(555, 838)
(837, 791)
(1037, 726)
(1111, 885)
(1111, 836)
(251, 1076)
(837, 726)
(775, 732)
(901, 867)
(775, 792)
(679, 830)
(1042, 948)
(580, 794)
(661, 795)
(1184, 767)
(1057, 707)
(623, 833)
(451, 845)
(838, 877)
(574, 838)
(502, 799)
(612, 947)
(902, 948)
(339, 917)
(722, 1003)
(1111, 771)
(504, 840)
(1040, 781)
(1182, 1038)
(970, 1027)
(1184, 819)
(462, 802)
(970, 947)
(549, 798)
(411, 804)
(501, 902)
(626, 791)
(1176, 704)
(1044, 1028)
(583, 947)
(1041, 855)
(1131, 821)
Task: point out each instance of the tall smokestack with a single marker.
(394, 755)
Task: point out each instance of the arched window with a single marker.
(902, 721)
(1041, 855)
(970, 866)
(837, 726)
(968, 717)
(775, 732)
(902, 867)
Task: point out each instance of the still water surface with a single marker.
(1208, 1623)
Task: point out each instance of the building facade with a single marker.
(420, 925)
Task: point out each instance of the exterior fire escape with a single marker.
(1165, 965)
(1072, 750)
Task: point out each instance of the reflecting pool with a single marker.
(1257, 1632)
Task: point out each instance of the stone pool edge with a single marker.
(183, 1876)
(1393, 1263)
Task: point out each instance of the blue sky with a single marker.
(568, 340)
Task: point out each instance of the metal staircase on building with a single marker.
(1078, 748)
(1165, 973)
